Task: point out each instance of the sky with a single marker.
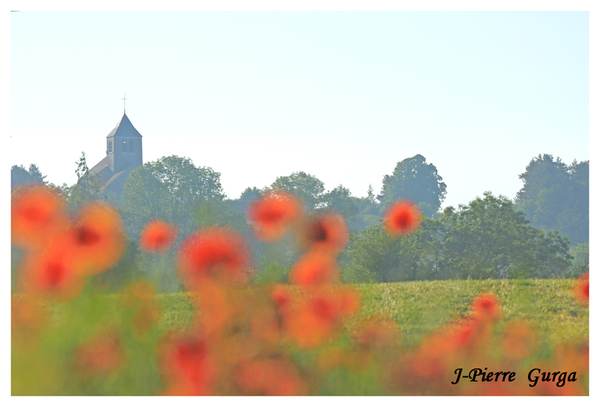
(340, 95)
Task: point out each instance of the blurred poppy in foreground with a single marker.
(315, 267)
(186, 365)
(99, 355)
(486, 307)
(402, 218)
(327, 232)
(36, 213)
(157, 236)
(377, 333)
(281, 295)
(273, 213)
(98, 237)
(269, 377)
(27, 319)
(315, 317)
(581, 289)
(214, 253)
(518, 340)
(53, 272)
(146, 308)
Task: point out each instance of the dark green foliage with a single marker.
(339, 199)
(555, 196)
(368, 212)
(272, 272)
(88, 188)
(307, 187)
(417, 181)
(488, 238)
(240, 205)
(171, 188)
(374, 256)
(491, 239)
(219, 213)
(19, 176)
(581, 259)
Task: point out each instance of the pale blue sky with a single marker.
(343, 96)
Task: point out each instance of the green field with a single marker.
(418, 307)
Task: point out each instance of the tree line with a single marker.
(541, 233)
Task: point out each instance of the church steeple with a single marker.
(123, 155)
(124, 146)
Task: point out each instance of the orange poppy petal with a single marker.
(158, 236)
(98, 237)
(315, 267)
(402, 218)
(273, 214)
(328, 232)
(36, 214)
(213, 253)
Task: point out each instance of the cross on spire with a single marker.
(124, 99)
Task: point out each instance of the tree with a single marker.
(339, 199)
(88, 187)
(417, 181)
(581, 259)
(367, 212)
(19, 176)
(307, 187)
(374, 256)
(240, 205)
(555, 196)
(171, 188)
(488, 238)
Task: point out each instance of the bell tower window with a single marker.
(110, 146)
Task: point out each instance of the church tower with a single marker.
(124, 146)
(123, 155)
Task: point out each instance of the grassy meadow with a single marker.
(420, 307)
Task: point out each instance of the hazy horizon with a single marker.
(343, 96)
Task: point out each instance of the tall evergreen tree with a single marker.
(555, 196)
(417, 181)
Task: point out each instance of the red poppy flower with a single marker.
(327, 232)
(213, 253)
(186, 364)
(581, 289)
(315, 267)
(53, 272)
(463, 333)
(158, 236)
(269, 377)
(402, 218)
(281, 295)
(486, 307)
(317, 316)
(273, 214)
(98, 237)
(36, 213)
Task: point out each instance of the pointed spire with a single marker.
(124, 99)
